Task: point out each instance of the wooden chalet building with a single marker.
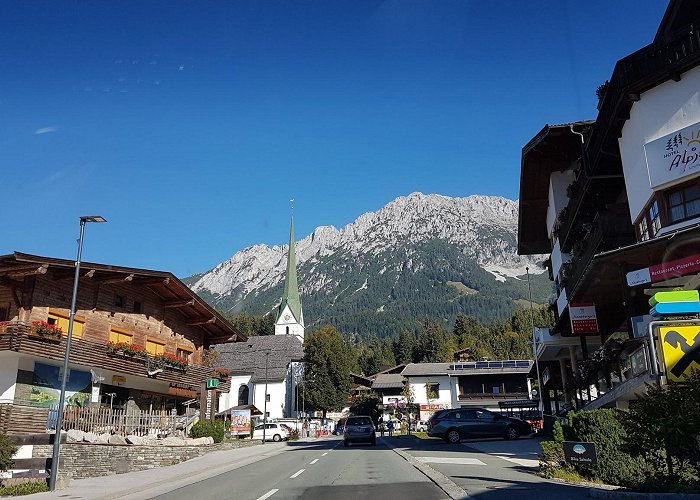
(616, 204)
(140, 337)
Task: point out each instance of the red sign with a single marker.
(674, 268)
(583, 318)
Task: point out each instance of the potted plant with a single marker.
(126, 349)
(172, 360)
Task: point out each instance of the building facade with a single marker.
(139, 336)
(622, 222)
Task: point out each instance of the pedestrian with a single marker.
(380, 424)
(390, 426)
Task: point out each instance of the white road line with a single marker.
(314, 461)
(298, 473)
(326, 453)
(450, 460)
(268, 494)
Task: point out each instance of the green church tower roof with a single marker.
(290, 297)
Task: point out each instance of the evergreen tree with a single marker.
(328, 360)
(404, 347)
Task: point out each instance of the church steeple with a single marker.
(290, 316)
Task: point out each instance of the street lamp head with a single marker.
(92, 218)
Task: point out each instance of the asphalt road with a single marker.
(491, 469)
(318, 470)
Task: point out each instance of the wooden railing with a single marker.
(17, 336)
(123, 422)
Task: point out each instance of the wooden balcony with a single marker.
(489, 396)
(607, 231)
(18, 337)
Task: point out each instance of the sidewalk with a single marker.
(160, 480)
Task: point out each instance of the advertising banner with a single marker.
(680, 350)
(240, 422)
(583, 318)
(673, 156)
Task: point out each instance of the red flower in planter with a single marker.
(45, 329)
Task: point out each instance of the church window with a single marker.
(243, 393)
(287, 330)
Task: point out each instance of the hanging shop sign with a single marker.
(665, 270)
(118, 379)
(580, 453)
(182, 391)
(673, 156)
(583, 318)
(680, 351)
(212, 383)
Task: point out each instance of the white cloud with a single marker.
(45, 130)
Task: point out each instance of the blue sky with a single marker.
(190, 125)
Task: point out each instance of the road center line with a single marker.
(298, 473)
(326, 453)
(314, 461)
(268, 494)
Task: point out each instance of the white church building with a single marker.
(274, 361)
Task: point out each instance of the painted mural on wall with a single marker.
(42, 387)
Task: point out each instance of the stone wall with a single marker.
(81, 460)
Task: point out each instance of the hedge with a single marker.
(209, 428)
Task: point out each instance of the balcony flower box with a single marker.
(126, 349)
(221, 373)
(46, 331)
(172, 361)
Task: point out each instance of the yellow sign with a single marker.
(118, 379)
(680, 348)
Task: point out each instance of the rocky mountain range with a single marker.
(419, 257)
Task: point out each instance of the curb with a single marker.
(440, 480)
(631, 495)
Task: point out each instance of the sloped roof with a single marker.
(420, 369)
(388, 381)
(250, 356)
(173, 292)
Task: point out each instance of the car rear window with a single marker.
(359, 421)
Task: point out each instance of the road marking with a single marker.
(450, 460)
(268, 494)
(314, 461)
(298, 473)
(525, 462)
(326, 453)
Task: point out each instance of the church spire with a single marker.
(290, 317)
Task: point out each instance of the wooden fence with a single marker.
(123, 422)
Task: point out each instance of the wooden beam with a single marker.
(178, 303)
(154, 281)
(113, 279)
(200, 322)
(25, 270)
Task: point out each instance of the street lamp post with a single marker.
(267, 358)
(62, 400)
(534, 346)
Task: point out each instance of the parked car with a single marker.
(359, 429)
(273, 432)
(420, 426)
(457, 424)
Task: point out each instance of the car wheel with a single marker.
(453, 436)
(512, 433)
(346, 444)
(277, 437)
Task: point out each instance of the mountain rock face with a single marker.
(419, 257)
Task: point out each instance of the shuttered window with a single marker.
(117, 336)
(153, 347)
(61, 320)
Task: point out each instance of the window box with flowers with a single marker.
(126, 349)
(221, 373)
(172, 360)
(45, 330)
